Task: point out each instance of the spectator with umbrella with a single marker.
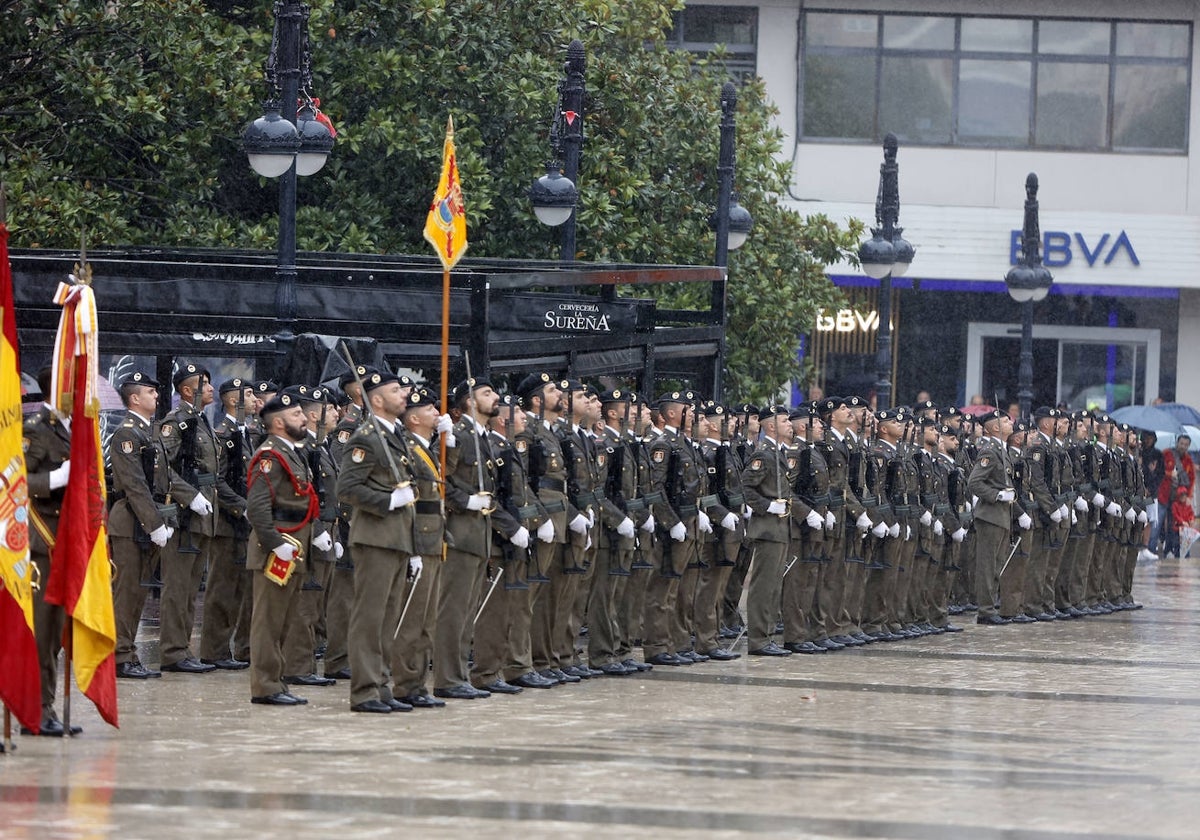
(1179, 472)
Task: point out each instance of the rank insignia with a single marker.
(600, 459)
(358, 455)
(24, 444)
(343, 435)
(166, 430)
(127, 447)
(520, 445)
(658, 456)
(265, 465)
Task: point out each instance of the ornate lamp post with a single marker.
(1027, 282)
(555, 195)
(731, 222)
(288, 140)
(884, 255)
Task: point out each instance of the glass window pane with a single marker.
(1072, 105)
(916, 97)
(1150, 107)
(997, 34)
(833, 30)
(993, 102)
(720, 24)
(1157, 40)
(1074, 37)
(839, 96)
(918, 33)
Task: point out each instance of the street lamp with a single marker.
(1028, 281)
(731, 222)
(289, 139)
(555, 195)
(885, 255)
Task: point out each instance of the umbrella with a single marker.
(1181, 412)
(1148, 417)
(977, 410)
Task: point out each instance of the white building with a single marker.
(1097, 98)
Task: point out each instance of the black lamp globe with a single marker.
(553, 197)
(270, 142)
(877, 255)
(316, 142)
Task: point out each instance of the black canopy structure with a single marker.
(511, 316)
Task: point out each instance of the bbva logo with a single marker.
(1057, 250)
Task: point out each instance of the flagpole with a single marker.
(6, 745)
(68, 647)
(445, 403)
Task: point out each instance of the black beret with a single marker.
(924, 405)
(266, 386)
(235, 384)
(532, 383)
(674, 397)
(285, 399)
(926, 422)
(187, 370)
(313, 395)
(378, 378)
(1044, 412)
(363, 372)
(712, 409)
(951, 411)
(419, 396)
(138, 378)
(464, 388)
(830, 404)
(856, 402)
(943, 429)
(510, 400)
(769, 411)
(890, 414)
(747, 408)
(617, 395)
(994, 414)
(1020, 426)
(803, 412)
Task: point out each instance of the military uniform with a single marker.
(767, 491)
(141, 481)
(991, 476)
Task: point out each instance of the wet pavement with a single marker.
(1084, 728)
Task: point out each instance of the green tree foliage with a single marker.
(124, 117)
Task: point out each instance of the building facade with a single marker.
(1097, 98)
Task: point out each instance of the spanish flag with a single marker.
(20, 679)
(446, 224)
(80, 571)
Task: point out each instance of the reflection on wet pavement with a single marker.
(1082, 728)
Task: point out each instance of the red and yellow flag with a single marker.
(80, 571)
(20, 679)
(446, 224)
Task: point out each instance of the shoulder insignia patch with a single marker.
(791, 462)
(265, 465)
(1037, 456)
(343, 435)
(127, 447)
(166, 430)
(520, 445)
(600, 458)
(755, 464)
(984, 461)
(358, 455)
(658, 456)
(24, 444)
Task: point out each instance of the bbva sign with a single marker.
(1057, 249)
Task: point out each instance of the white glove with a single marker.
(545, 531)
(730, 522)
(863, 522)
(1142, 517)
(402, 496)
(777, 507)
(338, 551)
(161, 534)
(591, 518)
(579, 524)
(1113, 509)
(1063, 509)
(678, 532)
(894, 531)
(588, 544)
(1098, 500)
(974, 501)
(324, 542)
(926, 518)
(1074, 518)
(1056, 515)
(59, 475)
(479, 501)
(1080, 504)
(521, 538)
(200, 505)
(703, 523)
(959, 535)
(626, 529)
(830, 521)
(814, 520)
(747, 512)
(1006, 496)
(880, 530)
(938, 528)
(969, 506)
(648, 525)
(908, 532)
(445, 427)
(1130, 515)
(414, 566)
(286, 551)
(1024, 521)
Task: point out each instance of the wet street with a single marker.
(1084, 728)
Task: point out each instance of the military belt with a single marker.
(528, 512)
(653, 498)
(736, 500)
(634, 505)
(554, 507)
(287, 515)
(552, 484)
(428, 507)
(204, 479)
(687, 510)
(705, 502)
(585, 499)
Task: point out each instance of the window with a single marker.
(701, 29)
(1091, 85)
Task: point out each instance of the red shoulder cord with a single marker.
(305, 489)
